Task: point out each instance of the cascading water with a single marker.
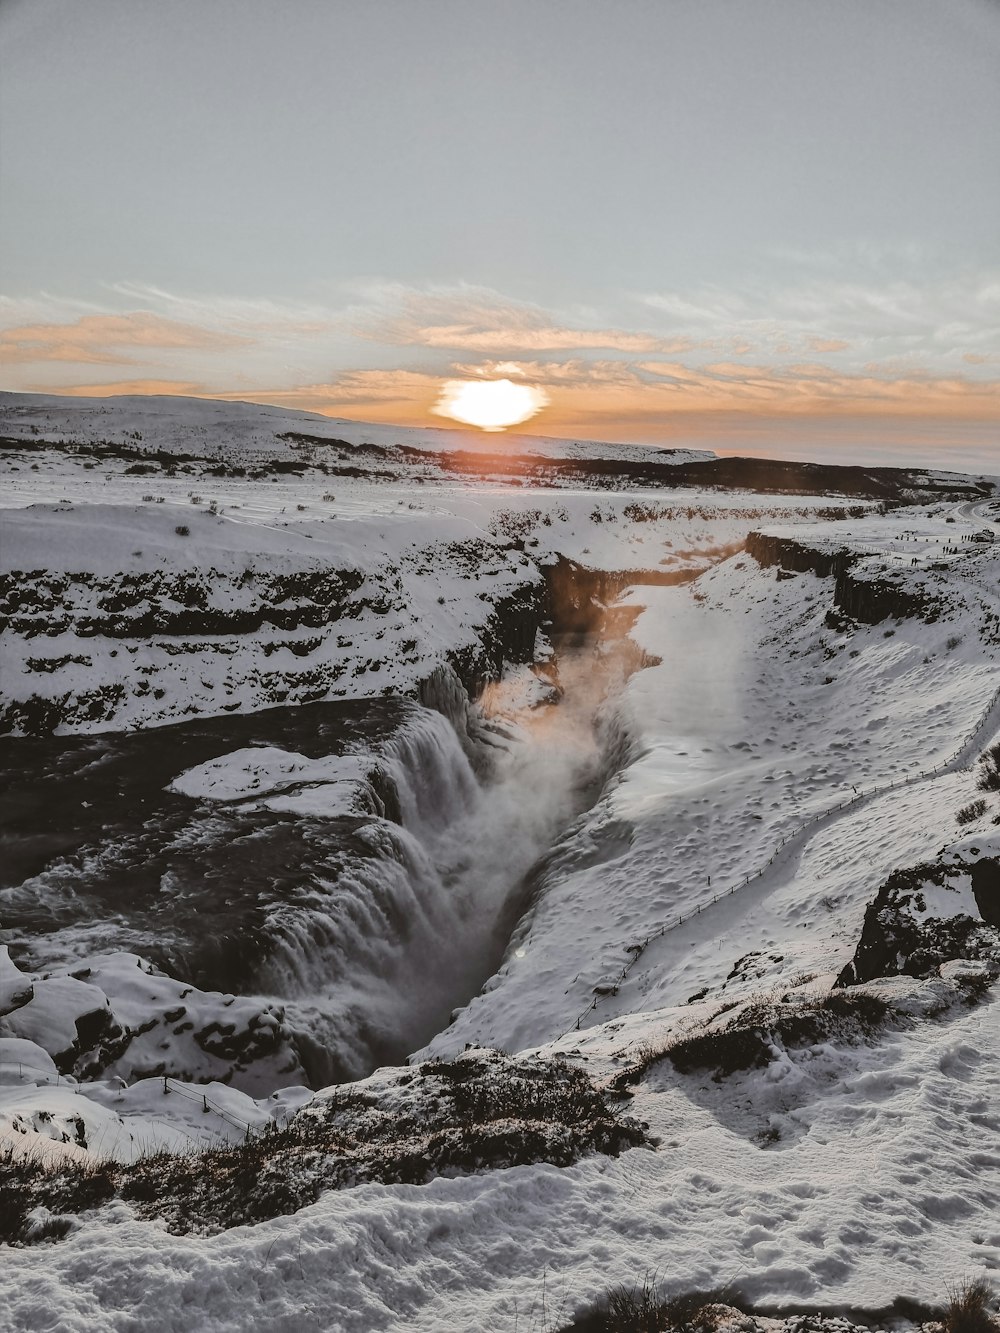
(376, 972)
(343, 860)
(434, 780)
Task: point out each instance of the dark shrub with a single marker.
(642, 1309)
(970, 1308)
(971, 812)
(989, 770)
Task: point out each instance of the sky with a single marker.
(760, 226)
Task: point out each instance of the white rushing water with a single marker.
(375, 965)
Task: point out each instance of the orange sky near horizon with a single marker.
(730, 226)
(858, 431)
(407, 399)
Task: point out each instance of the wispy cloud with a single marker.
(800, 388)
(884, 314)
(239, 315)
(103, 339)
(476, 319)
(661, 397)
(820, 351)
(116, 388)
(382, 395)
(827, 344)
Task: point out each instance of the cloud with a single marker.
(247, 316)
(116, 388)
(657, 400)
(475, 319)
(574, 371)
(801, 389)
(102, 339)
(831, 311)
(379, 395)
(820, 351)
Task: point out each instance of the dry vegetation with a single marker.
(745, 1039)
(482, 1111)
(645, 1308)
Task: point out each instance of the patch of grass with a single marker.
(645, 1309)
(971, 812)
(746, 1040)
(971, 1308)
(29, 1183)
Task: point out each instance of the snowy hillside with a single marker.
(520, 888)
(123, 616)
(195, 425)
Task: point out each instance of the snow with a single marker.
(885, 1185)
(733, 748)
(168, 1023)
(409, 585)
(337, 784)
(764, 733)
(181, 424)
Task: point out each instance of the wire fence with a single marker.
(53, 1078)
(207, 1105)
(50, 1076)
(958, 759)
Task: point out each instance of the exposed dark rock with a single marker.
(872, 598)
(34, 602)
(580, 599)
(900, 937)
(858, 595)
(798, 557)
(508, 636)
(986, 888)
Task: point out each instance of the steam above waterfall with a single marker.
(374, 966)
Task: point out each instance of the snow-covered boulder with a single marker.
(930, 914)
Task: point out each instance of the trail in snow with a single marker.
(787, 855)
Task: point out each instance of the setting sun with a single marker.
(490, 404)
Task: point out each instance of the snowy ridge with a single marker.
(119, 617)
(181, 424)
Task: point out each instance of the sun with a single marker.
(489, 404)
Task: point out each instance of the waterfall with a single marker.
(372, 965)
(434, 779)
(368, 966)
(357, 968)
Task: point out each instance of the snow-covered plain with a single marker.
(820, 727)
